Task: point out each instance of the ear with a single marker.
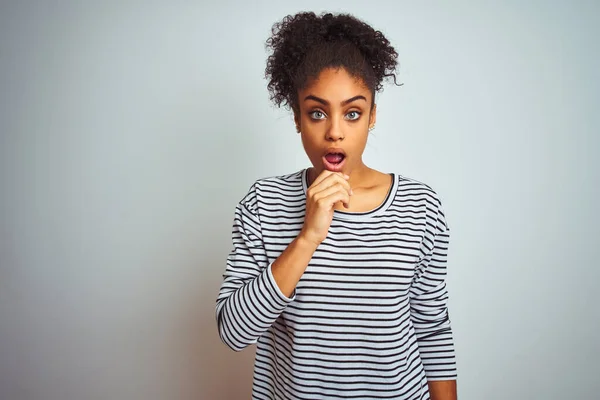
(373, 116)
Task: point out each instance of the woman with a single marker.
(338, 271)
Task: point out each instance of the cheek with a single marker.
(361, 135)
(307, 143)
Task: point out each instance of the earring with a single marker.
(372, 127)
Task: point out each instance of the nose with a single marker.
(334, 131)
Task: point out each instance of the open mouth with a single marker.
(334, 161)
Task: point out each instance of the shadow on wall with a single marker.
(198, 366)
(212, 370)
(201, 366)
(221, 373)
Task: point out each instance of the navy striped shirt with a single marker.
(367, 320)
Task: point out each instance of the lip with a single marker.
(334, 167)
(334, 150)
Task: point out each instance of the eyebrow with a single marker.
(325, 102)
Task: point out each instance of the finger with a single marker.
(325, 174)
(325, 199)
(336, 197)
(343, 204)
(323, 191)
(332, 180)
(334, 177)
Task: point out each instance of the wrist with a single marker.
(306, 243)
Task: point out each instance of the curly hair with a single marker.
(304, 44)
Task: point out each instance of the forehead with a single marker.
(336, 85)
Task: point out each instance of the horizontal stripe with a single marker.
(368, 319)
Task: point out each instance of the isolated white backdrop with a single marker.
(129, 131)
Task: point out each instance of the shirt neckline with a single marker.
(355, 216)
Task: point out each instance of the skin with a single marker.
(335, 110)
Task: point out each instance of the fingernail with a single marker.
(351, 192)
(346, 176)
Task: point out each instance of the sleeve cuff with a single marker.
(286, 300)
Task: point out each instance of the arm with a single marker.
(442, 390)
(254, 293)
(429, 311)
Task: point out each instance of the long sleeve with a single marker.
(249, 300)
(428, 302)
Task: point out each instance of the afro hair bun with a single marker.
(302, 45)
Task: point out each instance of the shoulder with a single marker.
(274, 187)
(411, 186)
(411, 190)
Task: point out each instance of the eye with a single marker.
(317, 114)
(353, 115)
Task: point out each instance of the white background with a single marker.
(129, 131)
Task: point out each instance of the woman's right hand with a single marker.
(328, 189)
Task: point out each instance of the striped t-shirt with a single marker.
(367, 320)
